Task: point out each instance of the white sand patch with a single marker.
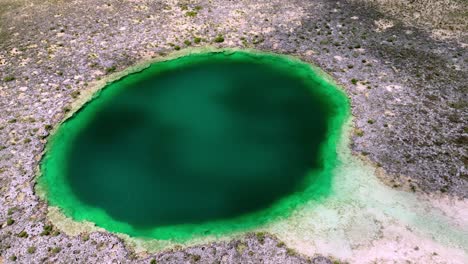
(69, 226)
(383, 24)
(365, 221)
(392, 88)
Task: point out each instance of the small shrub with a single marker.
(75, 94)
(153, 261)
(354, 81)
(370, 121)
(198, 8)
(458, 105)
(197, 40)
(219, 39)
(324, 42)
(85, 237)
(196, 258)
(244, 41)
(9, 78)
(56, 250)
(11, 210)
(240, 247)
(290, 252)
(177, 47)
(111, 69)
(23, 234)
(260, 237)
(191, 13)
(31, 250)
(10, 221)
(46, 231)
(13, 258)
(187, 43)
(359, 133)
(257, 40)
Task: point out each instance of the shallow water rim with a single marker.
(182, 233)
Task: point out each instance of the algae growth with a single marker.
(203, 144)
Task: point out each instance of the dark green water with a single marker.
(201, 139)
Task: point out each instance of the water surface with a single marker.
(207, 138)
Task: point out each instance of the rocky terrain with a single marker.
(404, 68)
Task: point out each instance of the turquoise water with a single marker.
(206, 143)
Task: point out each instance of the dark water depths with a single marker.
(207, 141)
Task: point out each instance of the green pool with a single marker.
(206, 143)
